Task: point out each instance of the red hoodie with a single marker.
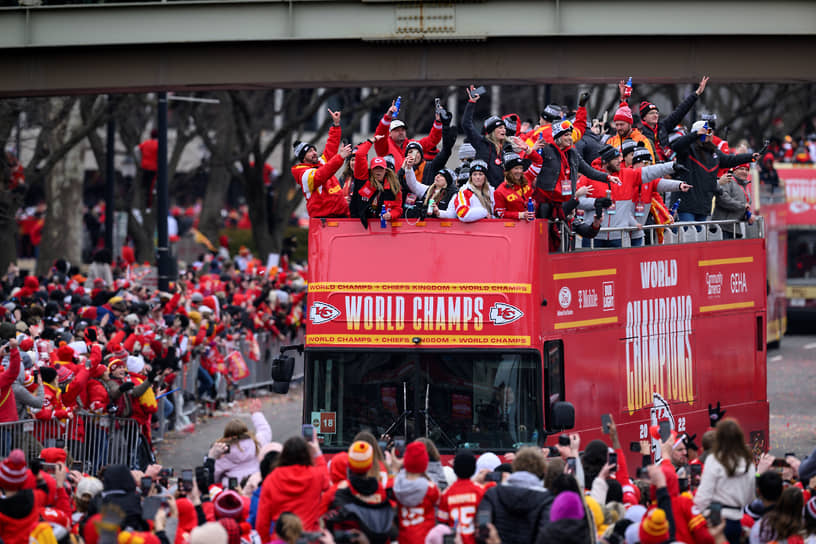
(8, 406)
(690, 525)
(296, 489)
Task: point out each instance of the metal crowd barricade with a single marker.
(94, 440)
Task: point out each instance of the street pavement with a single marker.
(792, 395)
(183, 450)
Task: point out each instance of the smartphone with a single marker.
(696, 470)
(480, 90)
(202, 476)
(449, 539)
(683, 484)
(563, 440)
(665, 430)
(399, 446)
(382, 444)
(48, 467)
(493, 477)
(714, 514)
(789, 454)
(307, 430)
(187, 479)
(613, 459)
(151, 505)
(438, 106)
(146, 484)
(77, 466)
(571, 463)
(233, 483)
(780, 463)
(482, 518)
(606, 421)
(634, 447)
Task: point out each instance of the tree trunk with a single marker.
(9, 203)
(211, 221)
(62, 231)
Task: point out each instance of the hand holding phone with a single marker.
(606, 422)
(714, 514)
(308, 431)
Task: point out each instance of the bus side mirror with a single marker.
(281, 374)
(563, 416)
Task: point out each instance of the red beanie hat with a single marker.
(416, 458)
(65, 353)
(624, 114)
(13, 471)
(32, 283)
(54, 455)
(27, 344)
(228, 504)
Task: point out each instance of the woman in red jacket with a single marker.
(375, 186)
(295, 485)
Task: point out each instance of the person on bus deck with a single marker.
(627, 150)
(425, 170)
(375, 187)
(440, 190)
(553, 114)
(490, 147)
(394, 139)
(698, 154)
(624, 130)
(630, 210)
(474, 200)
(315, 173)
(513, 195)
(734, 200)
(657, 130)
(557, 193)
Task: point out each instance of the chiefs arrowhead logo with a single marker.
(502, 314)
(322, 313)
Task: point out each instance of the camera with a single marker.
(341, 537)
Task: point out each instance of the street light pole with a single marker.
(163, 249)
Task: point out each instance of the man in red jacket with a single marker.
(397, 141)
(316, 174)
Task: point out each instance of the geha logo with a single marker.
(502, 314)
(321, 312)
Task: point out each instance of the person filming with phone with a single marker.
(734, 200)
(236, 453)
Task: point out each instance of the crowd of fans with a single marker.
(78, 347)
(636, 171)
(250, 489)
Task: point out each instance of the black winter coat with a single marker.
(565, 531)
(518, 513)
(660, 137)
(485, 150)
(551, 168)
(703, 162)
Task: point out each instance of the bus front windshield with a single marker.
(483, 400)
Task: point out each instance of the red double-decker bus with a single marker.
(476, 336)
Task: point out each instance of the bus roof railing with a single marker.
(675, 233)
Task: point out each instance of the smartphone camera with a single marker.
(563, 440)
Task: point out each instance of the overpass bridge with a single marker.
(194, 45)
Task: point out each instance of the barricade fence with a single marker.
(188, 380)
(91, 439)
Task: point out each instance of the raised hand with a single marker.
(335, 115)
(702, 86)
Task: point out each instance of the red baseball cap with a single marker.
(378, 162)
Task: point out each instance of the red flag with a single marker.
(237, 366)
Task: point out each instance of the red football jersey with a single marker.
(416, 521)
(458, 508)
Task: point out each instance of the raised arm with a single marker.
(335, 134)
(413, 185)
(383, 128)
